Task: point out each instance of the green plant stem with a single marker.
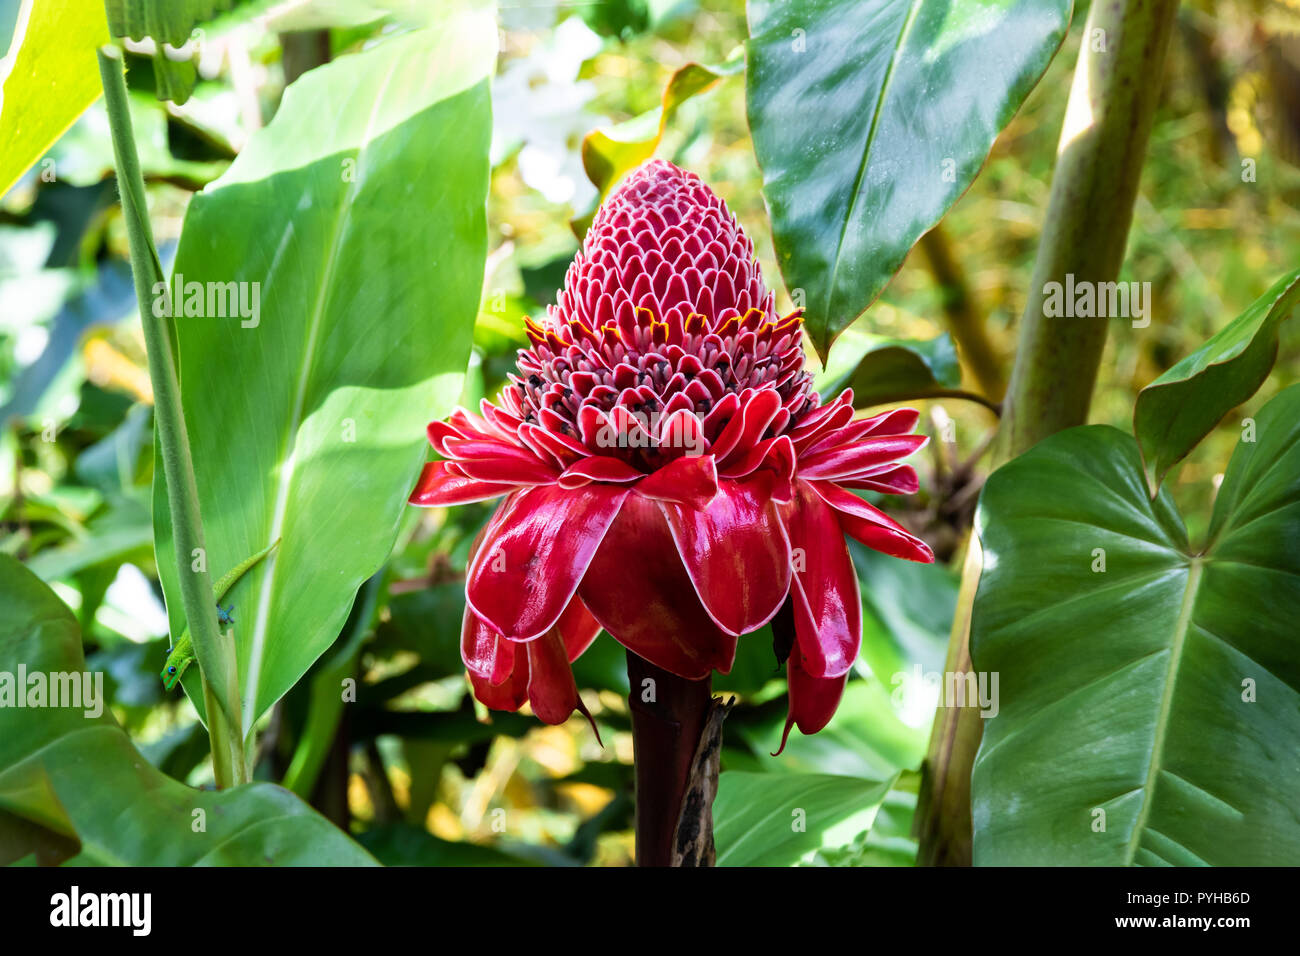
(215, 656)
(1099, 161)
(1112, 102)
(221, 742)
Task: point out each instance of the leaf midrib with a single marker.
(866, 151)
(1196, 571)
(288, 455)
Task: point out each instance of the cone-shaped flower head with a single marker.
(669, 474)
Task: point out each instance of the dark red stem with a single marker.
(668, 719)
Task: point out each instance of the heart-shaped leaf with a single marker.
(1184, 404)
(1148, 688)
(71, 782)
(359, 231)
(870, 118)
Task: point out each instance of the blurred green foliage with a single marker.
(415, 768)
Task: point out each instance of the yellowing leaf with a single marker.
(50, 77)
(611, 153)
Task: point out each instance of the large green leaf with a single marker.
(49, 77)
(1184, 404)
(74, 784)
(1159, 697)
(870, 118)
(889, 841)
(363, 225)
(775, 819)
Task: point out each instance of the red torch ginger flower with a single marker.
(669, 474)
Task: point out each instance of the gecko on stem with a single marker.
(182, 652)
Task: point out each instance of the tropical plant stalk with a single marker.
(1108, 117)
(215, 655)
(669, 715)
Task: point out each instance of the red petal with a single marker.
(776, 455)
(504, 673)
(847, 461)
(535, 554)
(686, 481)
(487, 449)
(561, 446)
(682, 429)
(499, 421)
(744, 431)
(512, 470)
(896, 421)
(872, 526)
(594, 428)
(511, 693)
(827, 606)
(541, 451)
(724, 410)
(832, 415)
(812, 699)
(781, 460)
(486, 653)
(439, 488)
(577, 627)
(653, 611)
(736, 553)
(551, 688)
(439, 432)
(897, 480)
(485, 427)
(598, 468)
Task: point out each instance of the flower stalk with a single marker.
(214, 653)
(669, 717)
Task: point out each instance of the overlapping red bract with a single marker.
(670, 475)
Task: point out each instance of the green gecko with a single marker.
(182, 652)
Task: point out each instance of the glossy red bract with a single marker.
(669, 474)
